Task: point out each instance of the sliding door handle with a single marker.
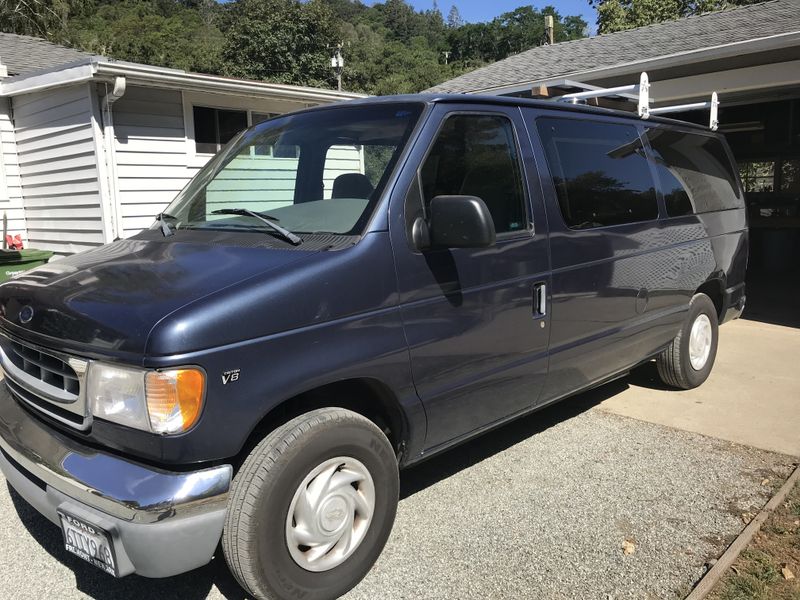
(539, 300)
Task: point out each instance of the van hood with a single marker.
(108, 300)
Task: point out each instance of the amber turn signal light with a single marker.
(174, 399)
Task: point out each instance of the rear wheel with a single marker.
(688, 360)
(312, 507)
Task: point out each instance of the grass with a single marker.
(756, 574)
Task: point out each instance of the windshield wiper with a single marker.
(270, 221)
(165, 228)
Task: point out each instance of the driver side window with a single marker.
(476, 155)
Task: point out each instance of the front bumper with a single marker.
(162, 522)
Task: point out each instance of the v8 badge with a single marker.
(230, 376)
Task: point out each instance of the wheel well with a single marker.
(367, 397)
(713, 289)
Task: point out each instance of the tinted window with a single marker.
(600, 172)
(476, 155)
(695, 172)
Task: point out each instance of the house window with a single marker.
(215, 127)
(758, 176)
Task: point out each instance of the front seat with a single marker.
(352, 185)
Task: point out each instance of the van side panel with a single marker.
(620, 292)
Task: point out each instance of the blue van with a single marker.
(343, 292)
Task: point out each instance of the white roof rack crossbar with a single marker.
(712, 105)
(641, 94)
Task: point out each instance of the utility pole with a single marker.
(549, 30)
(447, 54)
(337, 63)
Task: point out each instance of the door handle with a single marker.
(539, 300)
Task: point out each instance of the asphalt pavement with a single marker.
(541, 508)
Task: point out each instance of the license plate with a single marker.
(89, 542)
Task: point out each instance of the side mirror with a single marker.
(460, 222)
(456, 222)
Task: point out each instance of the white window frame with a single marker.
(223, 102)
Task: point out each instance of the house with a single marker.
(749, 55)
(92, 148)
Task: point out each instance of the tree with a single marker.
(41, 18)
(474, 44)
(617, 15)
(286, 41)
(157, 32)
(454, 20)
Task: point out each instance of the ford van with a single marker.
(343, 292)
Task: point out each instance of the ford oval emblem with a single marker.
(25, 314)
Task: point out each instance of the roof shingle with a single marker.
(683, 35)
(22, 54)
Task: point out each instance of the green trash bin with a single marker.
(14, 262)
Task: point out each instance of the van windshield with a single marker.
(321, 171)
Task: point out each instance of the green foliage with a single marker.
(40, 18)
(284, 41)
(388, 48)
(474, 44)
(617, 15)
(157, 32)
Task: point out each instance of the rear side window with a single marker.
(695, 172)
(476, 155)
(600, 172)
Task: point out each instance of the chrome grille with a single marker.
(49, 381)
(45, 367)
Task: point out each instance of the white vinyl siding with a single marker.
(150, 146)
(58, 169)
(340, 160)
(254, 182)
(153, 162)
(10, 186)
(262, 183)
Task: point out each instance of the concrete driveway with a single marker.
(540, 508)
(752, 396)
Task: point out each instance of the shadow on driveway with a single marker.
(199, 584)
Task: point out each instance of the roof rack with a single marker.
(640, 93)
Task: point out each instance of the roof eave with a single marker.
(103, 69)
(774, 42)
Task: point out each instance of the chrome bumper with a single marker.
(145, 507)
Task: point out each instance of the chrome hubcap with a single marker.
(700, 342)
(330, 514)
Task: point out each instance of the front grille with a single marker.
(45, 367)
(48, 381)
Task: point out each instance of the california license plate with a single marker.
(89, 542)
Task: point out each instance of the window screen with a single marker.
(600, 172)
(695, 172)
(476, 155)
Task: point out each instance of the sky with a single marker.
(485, 10)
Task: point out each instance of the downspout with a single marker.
(110, 153)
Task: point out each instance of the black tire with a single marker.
(674, 364)
(254, 538)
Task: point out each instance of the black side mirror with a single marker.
(455, 222)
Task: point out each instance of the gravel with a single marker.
(537, 509)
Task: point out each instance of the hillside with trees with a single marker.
(388, 47)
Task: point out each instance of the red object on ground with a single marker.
(14, 242)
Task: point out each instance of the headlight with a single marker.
(157, 401)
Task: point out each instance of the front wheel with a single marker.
(312, 507)
(688, 360)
